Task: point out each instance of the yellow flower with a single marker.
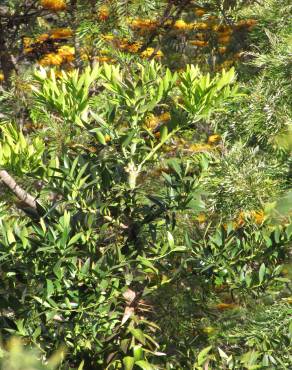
(27, 50)
(1, 77)
(27, 41)
(240, 221)
(103, 13)
(164, 117)
(152, 121)
(143, 24)
(258, 216)
(103, 59)
(213, 139)
(200, 26)
(61, 33)
(67, 53)
(150, 51)
(55, 5)
(221, 28)
(51, 59)
(159, 54)
(182, 25)
(201, 218)
(199, 43)
(134, 47)
(200, 147)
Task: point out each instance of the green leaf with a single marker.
(126, 139)
(81, 366)
(128, 362)
(163, 133)
(99, 135)
(144, 365)
(138, 352)
(50, 288)
(202, 356)
(138, 334)
(170, 240)
(262, 272)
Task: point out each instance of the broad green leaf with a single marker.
(203, 355)
(138, 334)
(128, 362)
(144, 365)
(262, 272)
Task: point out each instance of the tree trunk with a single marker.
(6, 58)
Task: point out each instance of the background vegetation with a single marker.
(145, 184)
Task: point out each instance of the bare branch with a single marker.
(21, 194)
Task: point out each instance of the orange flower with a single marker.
(239, 55)
(199, 43)
(55, 5)
(246, 23)
(164, 117)
(212, 18)
(200, 26)
(182, 25)
(67, 53)
(199, 12)
(103, 13)
(222, 49)
(134, 47)
(222, 29)
(200, 36)
(27, 41)
(43, 37)
(251, 22)
(1, 77)
(240, 221)
(224, 39)
(143, 24)
(258, 216)
(61, 33)
(103, 59)
(51, 59)
(225, 306)
(152, 121)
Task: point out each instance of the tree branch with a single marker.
(21, 194)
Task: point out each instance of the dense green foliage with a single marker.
(145, 214)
